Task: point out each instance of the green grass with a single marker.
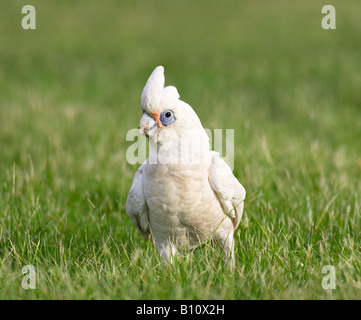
(70, 91)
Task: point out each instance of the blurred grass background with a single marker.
(70, 91)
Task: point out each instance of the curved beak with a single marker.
(148, 125)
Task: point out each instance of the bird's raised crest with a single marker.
(154, 92)
(153, 89)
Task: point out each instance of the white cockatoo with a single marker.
(184, 194)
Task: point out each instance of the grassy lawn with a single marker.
(70, 91)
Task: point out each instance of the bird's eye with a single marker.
(167, 117)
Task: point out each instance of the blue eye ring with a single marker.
(167, 117)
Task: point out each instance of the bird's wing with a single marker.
(230, 192)
(136, 206)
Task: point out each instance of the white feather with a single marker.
(153, 89)
(136, 206)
